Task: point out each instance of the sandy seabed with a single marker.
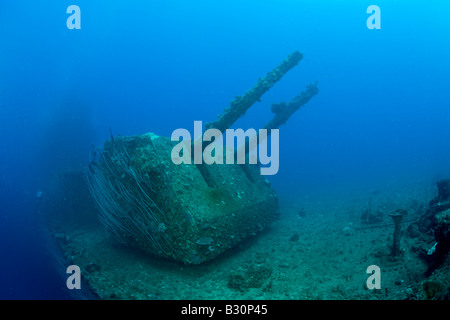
(319, 248)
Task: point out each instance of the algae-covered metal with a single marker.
(187, 212)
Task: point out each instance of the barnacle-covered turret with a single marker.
(187, 212)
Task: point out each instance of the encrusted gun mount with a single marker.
(187, 213)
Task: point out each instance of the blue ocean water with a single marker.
(382, 113)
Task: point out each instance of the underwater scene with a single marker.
(225, 150)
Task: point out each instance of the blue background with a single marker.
(382, 113)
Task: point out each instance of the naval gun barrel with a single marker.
(284, 111)
(242, 103)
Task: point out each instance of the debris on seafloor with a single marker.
(397, 216)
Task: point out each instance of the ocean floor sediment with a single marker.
(319, 248)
